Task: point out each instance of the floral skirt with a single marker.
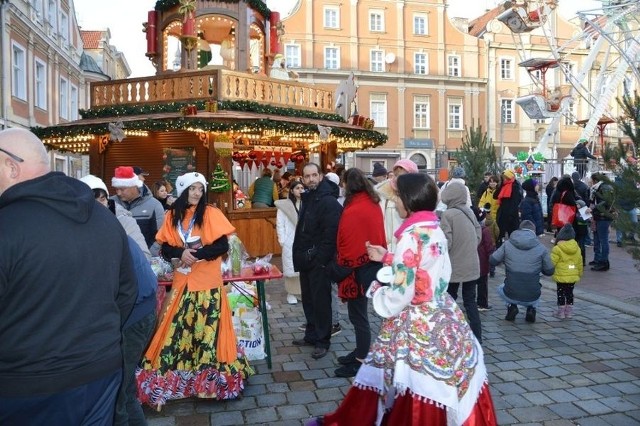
(186, 363)
(424, 368)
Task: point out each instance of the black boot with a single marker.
(531, 314)
(601, 267)
(512, 311)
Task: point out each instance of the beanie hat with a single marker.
(508, 174)
(125, 177)
(333, 178)
(575, 176)
(528, 225)
(580, 204)
(566, 233)
(95, 182)
(529, 185)
(458, 172)
(188, 179)
(407, 165)
(378, 170)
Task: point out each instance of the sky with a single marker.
(124, 19)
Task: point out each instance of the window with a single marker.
(569, 116)
(506, 69)
(331, 17)
(64, 28)
(421, 65)
(331, 58)
(38, 6)
(376, 21)
(454, 65)
(568, 72)
(292, 55)
(41, 85)
(506, 111)
(377, 61)
(421, 112)
(455, 114)
(53, 14)
(64, 98)
(536, 75)
(18, 72)
(419, 24)
(73, 103)
(378, 107)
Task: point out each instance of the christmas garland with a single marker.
(190, 122)
(257, 5)
(244, 106)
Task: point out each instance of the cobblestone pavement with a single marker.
(583, 371)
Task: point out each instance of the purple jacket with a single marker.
(485, 248)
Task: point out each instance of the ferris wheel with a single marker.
(612, 35)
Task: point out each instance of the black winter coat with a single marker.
(314, 243)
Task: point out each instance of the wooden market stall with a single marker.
(206, 116)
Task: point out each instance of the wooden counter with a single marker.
(256, 229)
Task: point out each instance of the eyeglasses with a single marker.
(15, 157)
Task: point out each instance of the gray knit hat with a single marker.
(458, 172)
(566, 233)
(528, 225)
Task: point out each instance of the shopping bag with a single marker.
(247, 324)
(562, 214)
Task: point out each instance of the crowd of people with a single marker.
(398, 240)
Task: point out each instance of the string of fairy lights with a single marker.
(257, 5)
(77, 138)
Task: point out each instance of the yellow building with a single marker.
(418, 77)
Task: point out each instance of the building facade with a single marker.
(44, 73)
(419, 78)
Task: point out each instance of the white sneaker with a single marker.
(291, 299)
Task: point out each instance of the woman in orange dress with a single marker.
(194, 350)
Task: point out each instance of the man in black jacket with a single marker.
(314, 247)
(67, 286)
(580, 153)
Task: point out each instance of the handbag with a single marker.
(562, 213)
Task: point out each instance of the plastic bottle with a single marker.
(236, 261)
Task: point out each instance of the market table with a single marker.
(248, 275)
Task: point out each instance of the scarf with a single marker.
(421, 216)
(361, 221)
(505, 190)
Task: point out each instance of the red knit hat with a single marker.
(125, 177)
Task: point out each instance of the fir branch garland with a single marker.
(244, 106)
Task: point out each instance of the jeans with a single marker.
(316, 294)
(134, 341)
(89, 404)
(469, 303)
(633, 218)
(508, 301)
(357, 309)
(483, 291)
(601, 241)
(335, 304)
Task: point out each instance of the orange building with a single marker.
(419, 78)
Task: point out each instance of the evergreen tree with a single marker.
(623, 161)
(476, 156)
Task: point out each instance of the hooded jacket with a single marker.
(463, 233)
(525, 257)
(148, 213)
(314, 243)
(567, 259)
(66, 287)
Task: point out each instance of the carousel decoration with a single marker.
(189, 38)
(529, 165)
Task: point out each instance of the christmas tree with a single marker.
(623, 160)
(220, 180)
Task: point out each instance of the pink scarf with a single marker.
(421, 216)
